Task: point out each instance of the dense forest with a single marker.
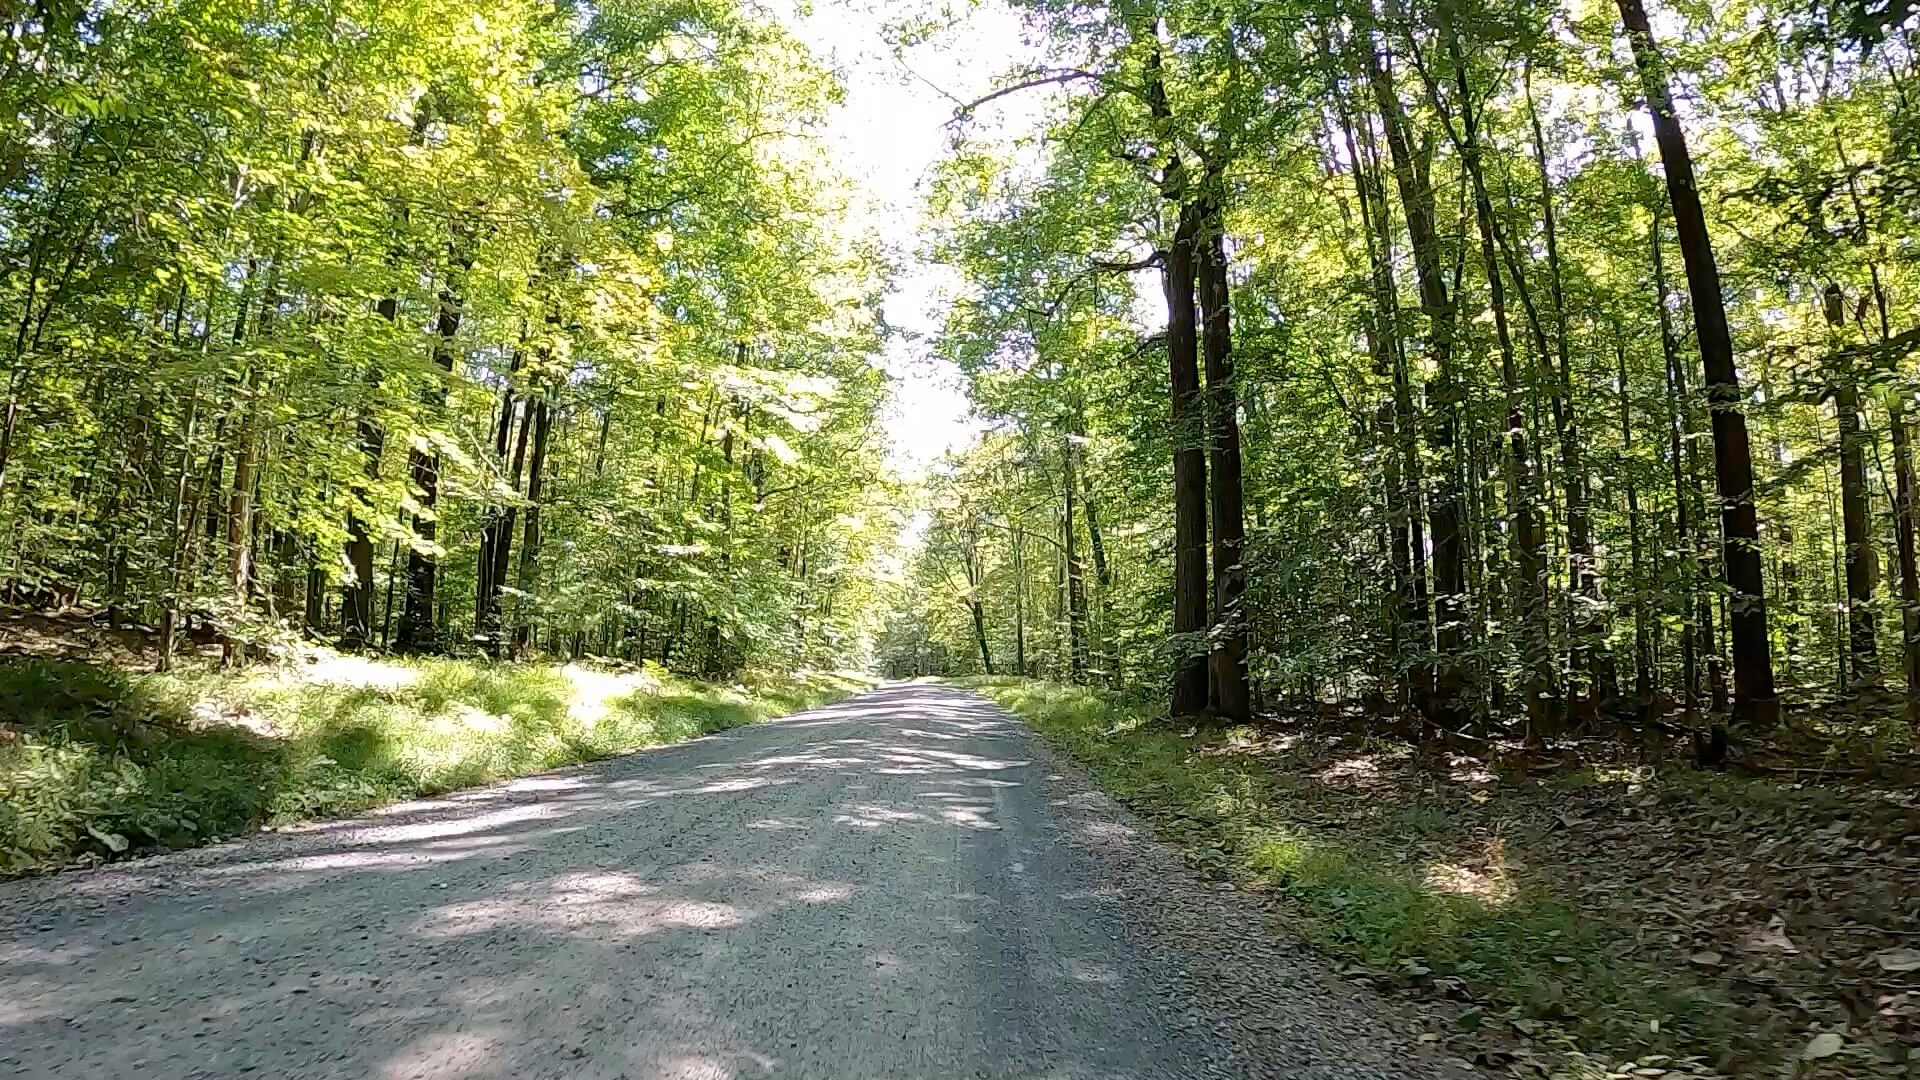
(1514, 368)
(1403, 439)
(436, 328)
(1501, 366)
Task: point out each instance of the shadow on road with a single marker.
(869, 889)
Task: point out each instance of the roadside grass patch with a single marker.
(96, 762)
(1429, 880)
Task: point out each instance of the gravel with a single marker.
(907, 884)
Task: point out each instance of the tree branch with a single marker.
(965, 112)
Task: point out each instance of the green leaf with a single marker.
(114, 842)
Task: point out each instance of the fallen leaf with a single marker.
(1773, 938)
(1709, 958)
(1898, 959)
(1825, 1044)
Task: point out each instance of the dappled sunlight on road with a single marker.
(708, 909)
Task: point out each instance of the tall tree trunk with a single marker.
(1854, 516)
(356, 601)
(1410, 631)
(530, 537)
(1637, 588)
(496, 524)
(1903, 497)
(1075, 568)
(1108, 657)
(1190, 669)
(1179, 279)
(979, 612)
(1903, 542)
(418, 626)
(1228, 645)
(1443, 510)
(1755, 706)
(1589, 657)
(240, 522)
(1686, 494)
(1020, 601)
(180, 531)
(1527, 536)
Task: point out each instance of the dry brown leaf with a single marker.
(1772, 938)
(1898, 959)
(1824, 1045)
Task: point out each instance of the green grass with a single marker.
(1362, 890)
(95, 762)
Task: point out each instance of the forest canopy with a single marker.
(1500, 367)
(1510, 367)
(438, 327)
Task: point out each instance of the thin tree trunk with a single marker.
(1588, 653)
(418, 625)
(356, 601)
(1854, 515)
(1075, 569)
(1637, 588)
(179, 530)
(1020, 601)
(1109, 656)
(1902, 462)
(1527, 537)
(530, 537)
(980, 634)
(1409, 633)
(1686, 495)
(1443, 512)
(495, 526)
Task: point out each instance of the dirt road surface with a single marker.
(906, 884)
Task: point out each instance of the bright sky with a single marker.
(887, 136)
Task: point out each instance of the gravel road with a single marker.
(907, 884)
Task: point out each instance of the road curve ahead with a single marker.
(904, 885)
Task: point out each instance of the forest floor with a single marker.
(1573, 913)
(99, 758)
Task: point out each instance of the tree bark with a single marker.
(1190, 669)
(1642, 633)
(356, 601)
(1179, 277)
(1527, 537)
(1443, 512)
(530, 537)
(496, 524)
(1076, 569)
(1755, 706)
(1854, 516)
(418, 631)
(1228, 646)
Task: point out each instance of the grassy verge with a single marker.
(1555, 916)
(96, 762)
